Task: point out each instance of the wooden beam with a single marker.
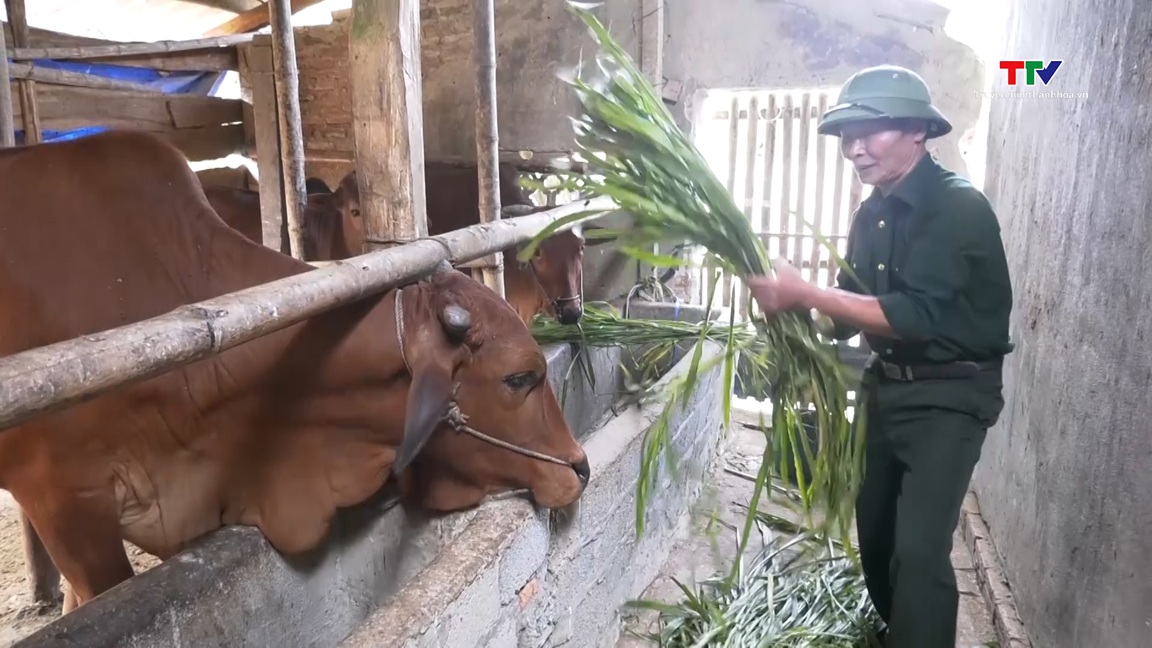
(7, 123)
(24, 53)
(257, 60)
(291, 131)
(235, 6)
(487, 132)
(387, 117)
(29, 108)
(75, 79)
(257, 18)
(66, 107)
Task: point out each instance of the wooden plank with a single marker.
(291, 131)
(76, 79)
(751, 211)
(388, 120)
(7, 122)
(66, 107)
(773, 121)
(249, 119)
(29, 108)
(118, 50)
(199, 60)
(209, 142)
(838, 212)
(255, 19)
(487, 135)
(235, 6)
(788, 116)
(258, 57)
(821, 142)
(801, 215)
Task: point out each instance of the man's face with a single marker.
(880, 150)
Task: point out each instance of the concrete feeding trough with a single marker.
(499, 575)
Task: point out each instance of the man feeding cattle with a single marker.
(276, 433)
(929, 289)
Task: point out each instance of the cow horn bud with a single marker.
(443, 266)
(456, 320)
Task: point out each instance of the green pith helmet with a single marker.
(884, 92)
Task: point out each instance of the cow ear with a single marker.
(428, 397)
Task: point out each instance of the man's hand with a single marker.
(787, 291)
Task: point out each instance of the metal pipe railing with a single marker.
(50, 378)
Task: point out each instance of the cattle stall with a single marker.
(501, 574)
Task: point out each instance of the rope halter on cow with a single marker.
(453, 416)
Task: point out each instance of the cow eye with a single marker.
(519, 381)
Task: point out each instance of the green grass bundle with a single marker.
(637, 156)
(799, 593)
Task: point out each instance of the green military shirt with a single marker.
(931, 252)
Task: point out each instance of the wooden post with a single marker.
(291, 132)
(30, 110)
(256, 61)
(7, 127)
(388, 117)
(487, 130)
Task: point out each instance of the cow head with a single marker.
(466, 348)
(334, 224)
(558, 265)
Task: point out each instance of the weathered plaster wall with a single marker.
(806, 44)
(1064, 481)
(820, 43)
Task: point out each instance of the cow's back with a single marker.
(109, 230)
(453, 195)
(239, 208)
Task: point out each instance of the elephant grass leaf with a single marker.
(639, 157)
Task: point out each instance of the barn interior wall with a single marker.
(735, 44)
(808, 44)
(1064, 482)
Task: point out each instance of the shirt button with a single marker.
(880, 224)
(887, 352)
(880, 267)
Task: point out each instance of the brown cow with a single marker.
(551, 282)
(276, 433)
(240, 209)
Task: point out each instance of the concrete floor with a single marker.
(698, 556)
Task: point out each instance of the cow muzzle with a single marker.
(583, 472)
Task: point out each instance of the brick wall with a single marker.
(534, 40)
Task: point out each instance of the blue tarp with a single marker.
(196, 83)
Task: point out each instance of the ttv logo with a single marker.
(1032, 70)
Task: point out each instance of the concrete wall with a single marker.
(1064, 481)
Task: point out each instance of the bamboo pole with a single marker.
(7, 124)
(291, 131)
(126, 49)
(50, 378)
(487, 131)
(76, 79)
